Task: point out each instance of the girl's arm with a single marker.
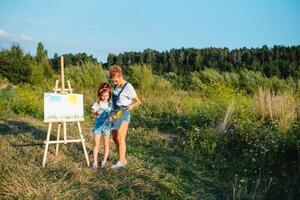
(94, 109)
(95, 112)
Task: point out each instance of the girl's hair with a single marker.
(115, 70)
(103, 88)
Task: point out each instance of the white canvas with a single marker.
(63, 107)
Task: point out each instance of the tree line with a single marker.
(20, 67)
(281, 61)
(72, 60)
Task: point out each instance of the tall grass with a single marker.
(87, 75)
(280, 107)
(248, 81)
(225, 123)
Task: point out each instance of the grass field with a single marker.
(216, 143)
(158, 168)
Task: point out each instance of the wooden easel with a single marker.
(62, 90)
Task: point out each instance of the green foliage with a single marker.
(2, 107)
(41, 74)
(26, 101)
(21, 100)
(41, 59)
(37, 76)
(277, 84)
(72, 60)
(232, 78)
(48, 71)
(18, 67)
(259, 147)
(196, 83)
(251, 81)
(174, 143)
(87, 75)
(144, 80)
(278, 61)
(141, 76)
(162, 85)
(15, 66)
(41, 53)
(6, 97)
(248, 81)
(210, 76)
(176, 81)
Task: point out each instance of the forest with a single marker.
(280, 61)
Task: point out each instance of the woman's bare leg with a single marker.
(121, 139)
(114, 137)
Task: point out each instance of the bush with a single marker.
(277, 84)
(87, 75)
(27, 102)
(15, 65)
(162, 85)
(210, 76)
(37, 76)
(6, 97)
(200, 81)
(250, 81)
(196, 83)
(141, 77)
(232, 78)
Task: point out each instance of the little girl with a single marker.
(101, 109)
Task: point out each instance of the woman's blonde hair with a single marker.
(115, 70)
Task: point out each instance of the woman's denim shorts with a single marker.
(126, 116)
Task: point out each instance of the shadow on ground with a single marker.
(17, 128)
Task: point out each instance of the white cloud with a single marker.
(27, 38)
(15, 38)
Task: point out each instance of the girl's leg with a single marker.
(121, 139)
(106, 147)
(96, 148)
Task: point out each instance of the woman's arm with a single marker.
(135, 103)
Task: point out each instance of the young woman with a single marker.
(124, 97)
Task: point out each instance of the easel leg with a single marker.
(57, 139)
(83, 145)
(65, 132)
(47, 144)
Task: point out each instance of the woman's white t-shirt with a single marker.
(126, 96)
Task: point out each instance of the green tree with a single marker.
(41, 53)
(41, 58)
(14, 65)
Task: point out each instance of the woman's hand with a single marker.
(136, 103)
(130, 107)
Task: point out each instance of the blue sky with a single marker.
(100, 27)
